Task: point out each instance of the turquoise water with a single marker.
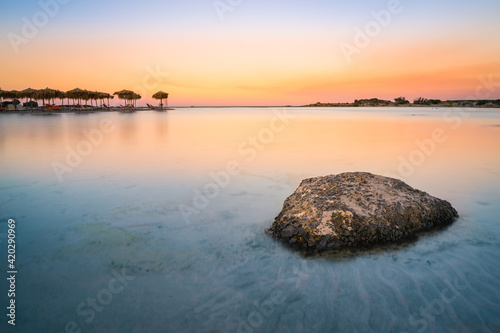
(154, 221)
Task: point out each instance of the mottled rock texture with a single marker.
(357, 210)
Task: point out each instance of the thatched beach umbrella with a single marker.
(45, 94)
(93, 96)
(128, 95)
(86, 95)
(2, 95)
(11, 94)
(8, 94)
(135, 97)
(96, 96)
(28, 93)
(105, 96)
(59, 94)
(76, 93)
(161, 95)
(102, 96)
(124, 94)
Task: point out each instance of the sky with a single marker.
(254, 52)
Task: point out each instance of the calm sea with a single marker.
(154, 221)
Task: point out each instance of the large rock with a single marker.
(357, 210)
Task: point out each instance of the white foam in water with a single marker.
(108, 250)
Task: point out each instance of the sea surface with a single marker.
(155, 221)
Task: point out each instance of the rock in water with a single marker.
(357, 209)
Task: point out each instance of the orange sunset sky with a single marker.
(253, 52)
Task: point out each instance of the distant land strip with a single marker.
(424, 102)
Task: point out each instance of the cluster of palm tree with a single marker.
(77, 94)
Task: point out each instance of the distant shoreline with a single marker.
(44, 111)
(421, 102)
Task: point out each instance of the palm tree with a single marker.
(161, 95)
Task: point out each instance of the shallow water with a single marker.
(176, 203)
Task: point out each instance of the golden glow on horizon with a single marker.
(245, 69)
